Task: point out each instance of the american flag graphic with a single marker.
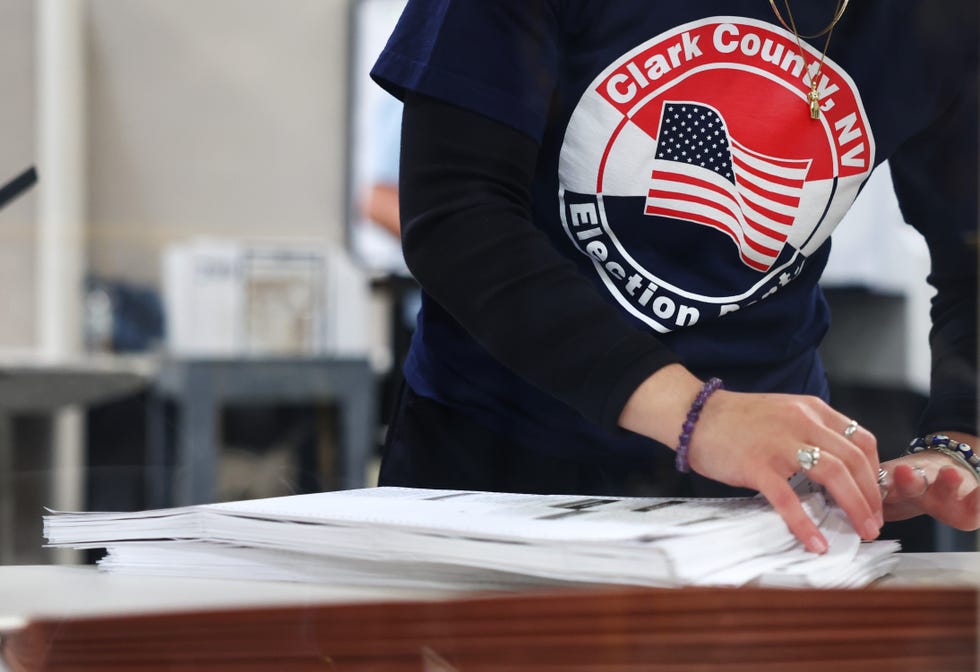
(701, 174)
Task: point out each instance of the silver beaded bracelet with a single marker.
(941, 443)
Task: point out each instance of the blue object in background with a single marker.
(122, 317)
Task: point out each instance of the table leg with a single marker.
(195, 471)
(155, 469)
(6, 490)
(357, 413)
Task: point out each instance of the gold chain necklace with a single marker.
(814, 95)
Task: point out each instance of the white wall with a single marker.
(17, 126)
(223, 117)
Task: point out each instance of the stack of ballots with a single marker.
(464, 540)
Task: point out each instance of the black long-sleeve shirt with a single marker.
(569, 246)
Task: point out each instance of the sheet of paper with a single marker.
(462, 539)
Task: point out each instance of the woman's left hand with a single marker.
(934, 484)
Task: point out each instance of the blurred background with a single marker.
(203, 295)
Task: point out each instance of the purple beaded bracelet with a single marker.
(684, 440)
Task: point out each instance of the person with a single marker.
(379, 202)
(619, 213)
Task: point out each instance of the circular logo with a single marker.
(693, 176)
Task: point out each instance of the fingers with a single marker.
(858, 455)
(945, 501)
(861, 439)
(835, 475)
(967, 512)
(753, 440)
(862, 475)
(944, 489)
(939, 490)
(906, 483)
(778, 492)
(909, 482)
(948, 480)
(868, 445)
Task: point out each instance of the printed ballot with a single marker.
(465, 540)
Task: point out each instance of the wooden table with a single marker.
(924, 617)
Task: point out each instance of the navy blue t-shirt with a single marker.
(682, 174)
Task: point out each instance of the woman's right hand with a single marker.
(751, 440)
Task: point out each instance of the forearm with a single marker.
(659, 405)
(935, 178)
(381, 206)
(469, 240)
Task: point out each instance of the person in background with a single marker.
(379, 202)
(619, 213)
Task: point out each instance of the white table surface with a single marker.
(33, 382)
(935, 569)
(34, 591)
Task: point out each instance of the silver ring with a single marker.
(852, 427)
(921, 473)
(882, 482)
(808, 457)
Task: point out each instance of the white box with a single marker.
(241, 298)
